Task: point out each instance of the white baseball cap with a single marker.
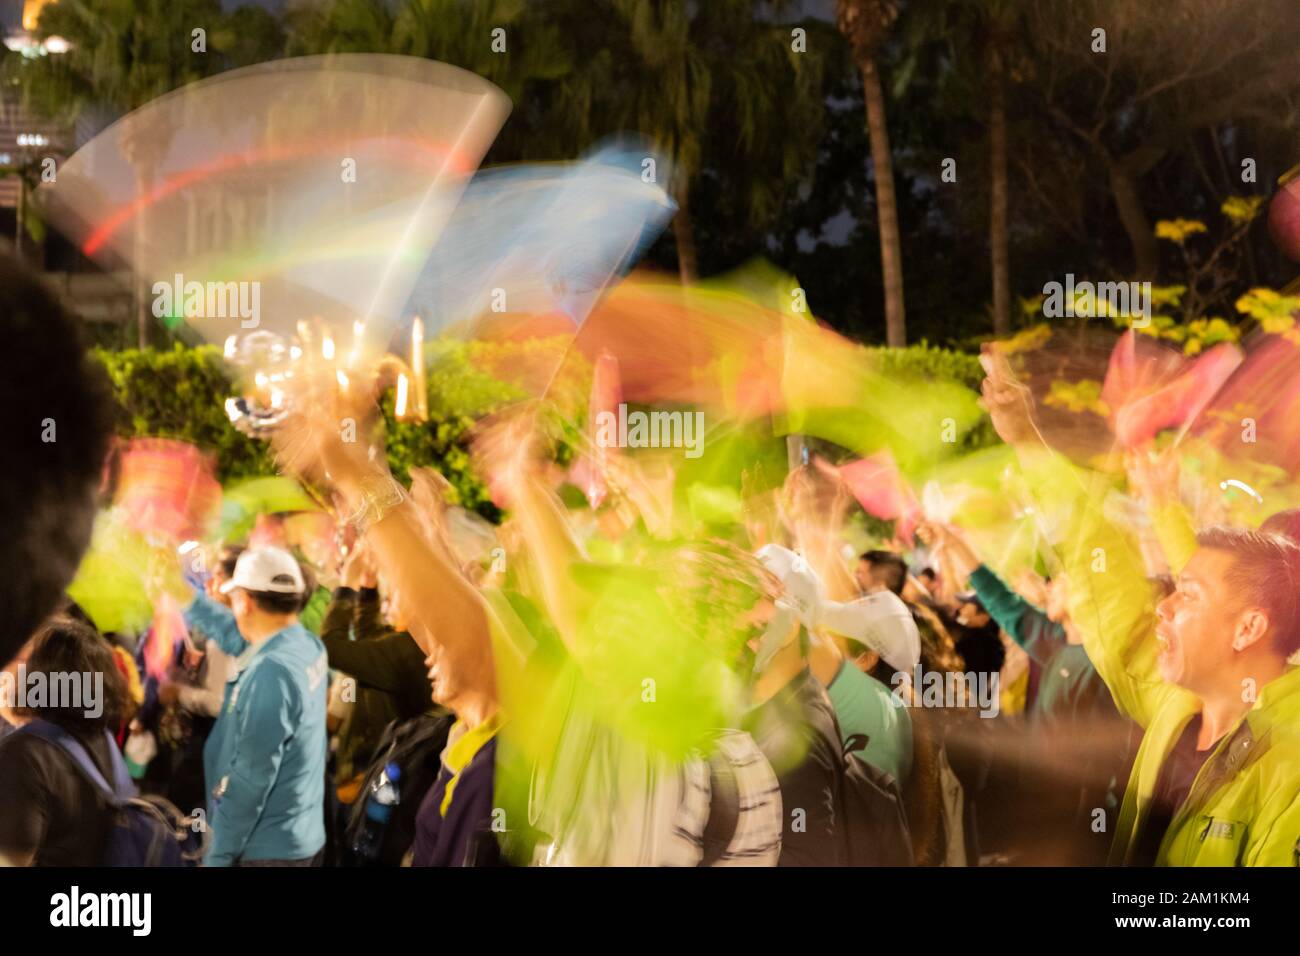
(882, 622)
(266, 569)
(804, 592)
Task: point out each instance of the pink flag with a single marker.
(882, 491)
(1150, 387)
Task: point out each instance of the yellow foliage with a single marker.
(1242, 209)
(1178, 230)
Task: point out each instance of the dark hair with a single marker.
(55, 427)
(1284, 523)
(928, 573)
(892, 568)
(276, 602)
(1266, 572)
(64, 646)
(229, 558)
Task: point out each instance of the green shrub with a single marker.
(180, 393)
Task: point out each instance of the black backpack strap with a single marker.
(724, 809)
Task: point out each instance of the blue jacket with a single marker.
(264, 762)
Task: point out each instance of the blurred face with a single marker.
(866, 577)
(1058, 599)
(242, 606)
(444, 686)
(758, 619)
(970, 615)
(1196, 625)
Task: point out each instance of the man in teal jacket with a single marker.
(265, 759)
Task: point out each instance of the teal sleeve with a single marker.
(217, 623)
(1003, 604)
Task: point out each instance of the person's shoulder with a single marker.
(26, 758)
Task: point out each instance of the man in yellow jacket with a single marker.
(1209, 672)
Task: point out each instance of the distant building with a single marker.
(24, 137)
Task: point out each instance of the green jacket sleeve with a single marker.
(1003, 604)
(1111, 602)
(1176, 534)
(313, 615)
(1280, 844)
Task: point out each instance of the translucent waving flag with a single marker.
(266, 196)
(543, 238)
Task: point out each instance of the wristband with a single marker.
(379, 496)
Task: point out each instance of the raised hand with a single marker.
(1008, 402)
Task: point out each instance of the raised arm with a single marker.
(1111, 602)
(443, 608)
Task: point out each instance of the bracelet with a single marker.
(379, 496)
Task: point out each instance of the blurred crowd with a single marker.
(584, 685)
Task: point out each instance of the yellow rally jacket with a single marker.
(1244, 805)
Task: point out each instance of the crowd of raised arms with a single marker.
(589, 686)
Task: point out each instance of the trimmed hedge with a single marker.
(180, 393)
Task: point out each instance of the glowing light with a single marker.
(399, 403)
(1234, 483)
(327, 347)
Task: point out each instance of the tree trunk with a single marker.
(1146, 254)
(684, 234)
(891, 255)
(20, 218)
(143, 183)
(998, 239)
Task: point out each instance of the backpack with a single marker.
(416, 746)
(146, 830)
(874, 821)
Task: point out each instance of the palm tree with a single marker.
(998, 238)
(973, 48)
(993, 24)
(123, 54)
(866, 24)
(682, 73)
